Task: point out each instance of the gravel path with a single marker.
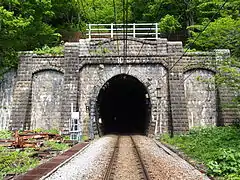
(89, 164)
(165, 165)
(126, 165)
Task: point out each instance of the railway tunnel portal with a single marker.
(124, 106)
(153, 89)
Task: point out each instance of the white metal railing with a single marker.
(141, 30)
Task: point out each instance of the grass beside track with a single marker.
(216, 147)
(17, 161)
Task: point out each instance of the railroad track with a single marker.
(115, 163)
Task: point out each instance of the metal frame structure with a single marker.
(75, 128)
(141, 30)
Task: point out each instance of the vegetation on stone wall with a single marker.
(223, 33)
(216, 147)
(228, 76)
(56, 50)
(39, 25)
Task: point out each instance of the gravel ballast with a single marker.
(161, 163)
(89, 164)
(126, 165)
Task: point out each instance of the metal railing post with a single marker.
(140, 30)
(89, 31)
(134, 35)
(156, 30)
(111, 30)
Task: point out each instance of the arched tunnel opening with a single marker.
(123, 106)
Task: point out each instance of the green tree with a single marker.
(169, 24)
(11, 28)
(39, 31)
(24, 26)
(140, 10)
(102, 12)
(223, 33)
(184, 11)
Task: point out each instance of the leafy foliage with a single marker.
(216, 147)
(227, 162)
(223, 33)
(169, 24)
(10, 29)
(102, 12)
(24, 26)
(16, 161)
(33, 15)
(4, 134)
(52, 131)
(56, 146)
(57, 50)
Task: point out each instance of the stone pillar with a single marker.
(228, 113)
(21, 93)
(70, 89)
(178, 121)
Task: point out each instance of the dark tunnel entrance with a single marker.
(123, 106)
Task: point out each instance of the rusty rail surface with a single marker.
(145, 173)
(109, 171)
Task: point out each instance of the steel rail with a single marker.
(145, 173)
(108, 172)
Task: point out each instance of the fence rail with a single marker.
(141, 30)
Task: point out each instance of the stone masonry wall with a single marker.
(206, 62)
(149, 75)
(228, 112)
(7, 83)
(200, 95)
(143, 52)
(46, 100)
(167, 73)
(22, 96)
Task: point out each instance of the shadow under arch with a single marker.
(123, 106)
(42, 70)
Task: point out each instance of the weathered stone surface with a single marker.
(22, 95)
(93, 78)
(44, 82)
(46, 100)
(201, 98)
(7, 84)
